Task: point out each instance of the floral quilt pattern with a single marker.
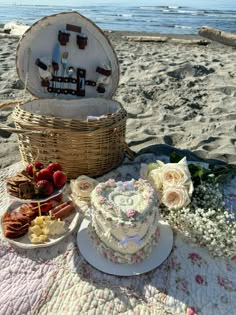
(57, 280)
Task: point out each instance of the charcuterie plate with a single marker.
(24, 242)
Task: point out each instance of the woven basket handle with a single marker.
(15, 103)
(14, 130)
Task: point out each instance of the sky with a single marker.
(127, 2)
(75, 2)
(192, 3)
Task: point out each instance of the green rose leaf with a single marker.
(152, 166)
(174, 157)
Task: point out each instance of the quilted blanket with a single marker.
(57, 280)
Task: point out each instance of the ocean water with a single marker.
(178, 19)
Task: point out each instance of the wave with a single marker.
(148, 8)
(183, 26)
(124, 15)
(158, 7)
(185, 11)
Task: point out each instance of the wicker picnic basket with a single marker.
(73, 120)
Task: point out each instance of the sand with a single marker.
(177, 94)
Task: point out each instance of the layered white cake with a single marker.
(125, 215)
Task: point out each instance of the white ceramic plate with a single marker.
(159, 254)
(55, 193)
(23, 242)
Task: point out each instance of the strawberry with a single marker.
(44, 174)
(44, 187)
(59, 179)
(31, 168)
(38, 165)
(54, 166)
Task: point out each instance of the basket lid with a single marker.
(67, 56)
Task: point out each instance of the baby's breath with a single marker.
(206, 220)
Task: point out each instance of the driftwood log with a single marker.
(164, 39)
(3, 35)
(218, 35)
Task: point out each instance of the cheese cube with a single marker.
(36, 230)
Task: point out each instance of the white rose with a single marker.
(147, 168)
(175, 197)
(155, 179)
(177, 174)
(83, 186)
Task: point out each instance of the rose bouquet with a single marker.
(192, 200)
(172, 181)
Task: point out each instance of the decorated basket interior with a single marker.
(67, 56)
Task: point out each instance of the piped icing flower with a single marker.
(131, 213)
(109, 206)
(99, 189)
(110, 182)
(102, 200)
(124, 186)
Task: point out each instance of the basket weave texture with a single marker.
(82, 147)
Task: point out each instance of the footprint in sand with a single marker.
(6, 54)
(227, 90)
(189, 70)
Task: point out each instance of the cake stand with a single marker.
(159, 253)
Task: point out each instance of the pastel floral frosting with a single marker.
(125, 218)
(131, 213)
(122, 201)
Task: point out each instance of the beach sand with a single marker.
(181, 95)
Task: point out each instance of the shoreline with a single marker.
(109, 33)
(175, 94)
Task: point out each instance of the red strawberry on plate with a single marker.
(59, 179)
(44, 174)
(54, 166)
(31, 168)
(44, 187)
(38, 165)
